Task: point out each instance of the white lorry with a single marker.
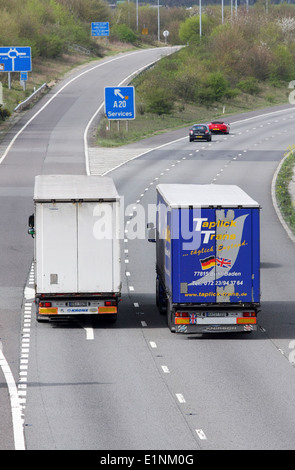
(76, 228)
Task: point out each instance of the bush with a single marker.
(4, 113)
(218, 84)
(205, 95)
(123, 33)
(189, 30)
(282, 193)
(249, 85)
(159, 101)
(50, 46)
(49, 26)
(185, 84)
(282, 68)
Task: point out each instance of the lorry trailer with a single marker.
(207, 258)
(77, 261)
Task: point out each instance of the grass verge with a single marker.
(283, 196)
(116, 133)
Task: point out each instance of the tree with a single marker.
(123, 33)
(159, 101)
(88, 10)
(282, 68)
(189, 30)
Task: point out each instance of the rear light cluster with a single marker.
(110, 306)
(182, 314)
(249, 314)
(45, 308)
(45, 304)
(248, 317)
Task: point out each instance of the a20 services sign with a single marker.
(120, 103)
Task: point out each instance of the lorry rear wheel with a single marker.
(157, 292)
(169, 317)
(161, 299)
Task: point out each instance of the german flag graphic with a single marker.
(208, 263)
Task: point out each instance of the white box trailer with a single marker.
(77, 261)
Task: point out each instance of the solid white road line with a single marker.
(16, 410)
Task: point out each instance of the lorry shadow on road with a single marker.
(129, 316)
(268, 265)
(277, 319)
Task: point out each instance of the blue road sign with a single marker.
(24, 76)
(119, 102)
(15, 59)
(100, 29)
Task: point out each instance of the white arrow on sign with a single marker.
(118, 93)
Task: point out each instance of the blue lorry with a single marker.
(207, 258)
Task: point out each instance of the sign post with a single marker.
(120, 103)
(165, 34)
(23, 79)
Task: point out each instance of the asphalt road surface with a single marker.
(135, 385)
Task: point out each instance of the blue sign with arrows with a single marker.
(15, 59)
(120, 102)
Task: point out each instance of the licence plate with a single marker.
(77, 304)
(215, 314)
(199, 136)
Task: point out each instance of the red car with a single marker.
(219, 127)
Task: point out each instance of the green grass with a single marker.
(283, 196)
(114, 133)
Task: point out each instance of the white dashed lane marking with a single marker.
(180, 397)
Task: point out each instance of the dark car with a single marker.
(219, 127)
(199, 132)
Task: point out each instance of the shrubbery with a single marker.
(282, 192)
(4, 113)
(48, 26)
(240, 56)
(249, 85)
(123, 33)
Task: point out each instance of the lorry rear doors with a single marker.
(77, 247)
(220, 262)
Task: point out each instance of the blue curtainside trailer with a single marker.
(207, 258)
